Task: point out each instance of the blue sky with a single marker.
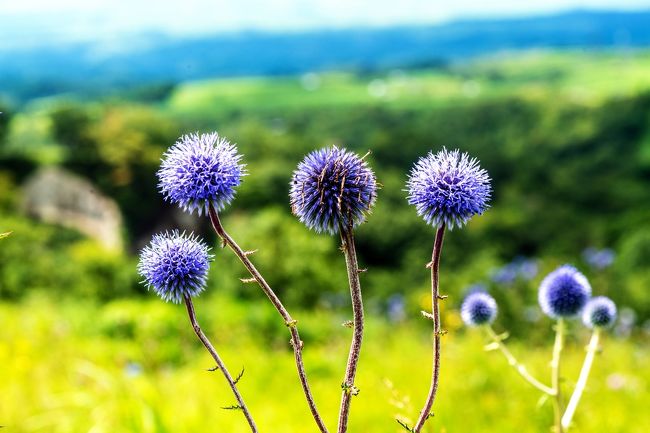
(33, 21)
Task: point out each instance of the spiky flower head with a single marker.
(175, 265)
(199, 171)
(448, 188)
(564, 292)
(478, 308)
(600, 312)
(332, 188)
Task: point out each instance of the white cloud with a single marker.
(92, 19)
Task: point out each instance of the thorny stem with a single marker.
(296, 343)
(592, 349)
(521, 369)
(555, 374)
(437, 331)
(349, 389)
(233, 386)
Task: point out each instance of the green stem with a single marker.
(592, 348)
(521, 369)
(555, 375)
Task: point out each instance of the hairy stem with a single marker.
(592, 349)
(512, 361)
(437, 330)
(349, 389)
(233, 386)
(296, 342)
(555, 375)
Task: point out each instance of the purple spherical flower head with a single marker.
(600, 312)
(175, 265)
(448, 188)
(199, 171)
(478, 308)
(564, 292)
(332, 188)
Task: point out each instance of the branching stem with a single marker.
(206, 342)
(592, 349)
(296, 343)
(512, 361)
(437, 331)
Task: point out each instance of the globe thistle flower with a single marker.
(199, 171)
(478, 308)
(332, 188)
(564, 292)
(175, 265)
(600, 312)
(599, 259)
(448, 188)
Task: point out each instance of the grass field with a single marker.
(581, 77)
(135, 366)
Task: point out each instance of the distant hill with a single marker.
(84, 68)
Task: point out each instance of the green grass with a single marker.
(65, 369)
(585, 78)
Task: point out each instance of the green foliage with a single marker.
(5, 118)
(118, 147)
(569, 163)
(42, 257)
(586, 78)
(71, 126)
(137, 366)
(566, 138)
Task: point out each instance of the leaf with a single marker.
(239, 376)
(492, 346)
(542, 400)
(404, 425)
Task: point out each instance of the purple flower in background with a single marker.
(520, 267)
(505, 275)
(478, 308)
(132, 369)
(175, 265)
(331, 189)
(528, 268)
(476, 287)
(448, 188)
(199, 171)
(598, 259)
(564, 292)
(395, 308)
(600, 312)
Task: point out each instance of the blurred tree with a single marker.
(71, 126)
(565, 175)
(5, 119)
